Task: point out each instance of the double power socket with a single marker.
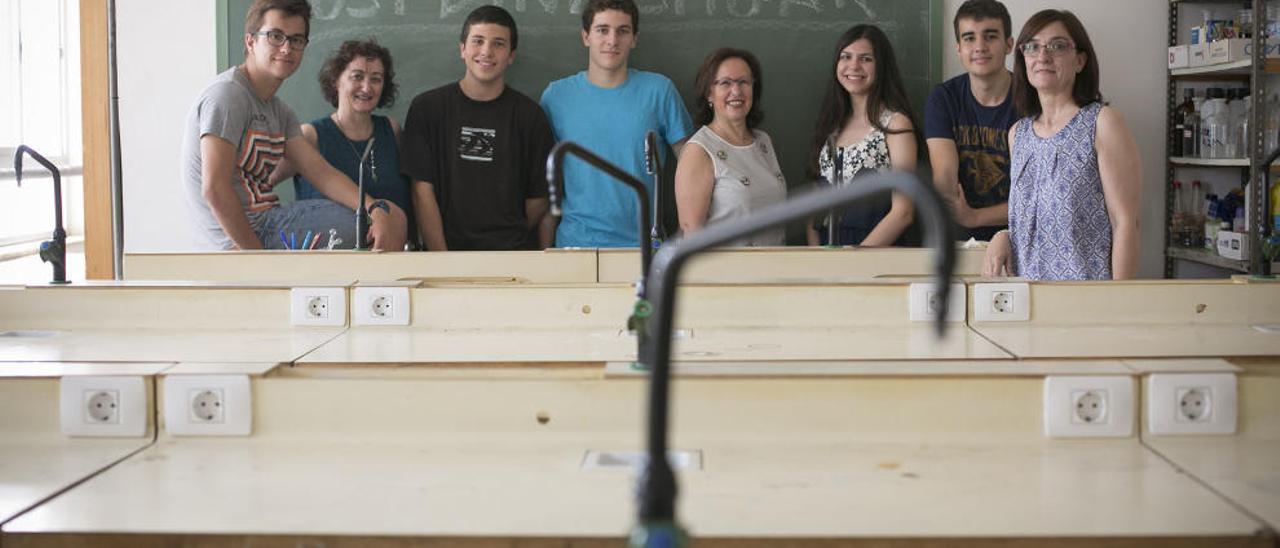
(992, 302)
(1104, 406)
(327, 306)
(119, 406)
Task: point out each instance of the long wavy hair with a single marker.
(887, 92)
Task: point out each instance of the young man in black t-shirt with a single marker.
(476, 150)
(967, 121)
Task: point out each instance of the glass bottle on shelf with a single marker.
(1244, 18)
(1187, 124)
(1194, 220)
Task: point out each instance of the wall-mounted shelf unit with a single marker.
(1248, 171)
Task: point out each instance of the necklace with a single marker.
(373, 156)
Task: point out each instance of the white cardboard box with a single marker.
(1231, 50)
(1179, 57)
(1198, 54)
(1233, 245)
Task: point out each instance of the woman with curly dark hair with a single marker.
(356, 79)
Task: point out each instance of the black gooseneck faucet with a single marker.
(53, 251)
(657, 490)
(362, 213)
(639, 320)
(654, 167)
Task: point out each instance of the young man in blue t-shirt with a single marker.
(599, 211)
(967, 121)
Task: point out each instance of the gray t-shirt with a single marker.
(229, 109)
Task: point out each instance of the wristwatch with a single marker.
(379, 204)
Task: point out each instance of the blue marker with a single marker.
(305, 240)
(293, 241)
(283, 240)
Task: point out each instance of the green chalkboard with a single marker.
(792, 38)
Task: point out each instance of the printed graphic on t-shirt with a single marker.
(476, 144)
(984, 157)
(261, 152)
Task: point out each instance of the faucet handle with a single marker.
(53, 251)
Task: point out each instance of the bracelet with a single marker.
(379, 204)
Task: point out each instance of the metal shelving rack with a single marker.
(1254, 173)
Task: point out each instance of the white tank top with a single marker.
(747, 179)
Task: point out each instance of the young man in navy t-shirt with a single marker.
(967, 121)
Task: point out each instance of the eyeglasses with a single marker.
(1056, 48)
(724, 84)
(277, 38)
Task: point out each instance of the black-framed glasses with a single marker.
(278, 38)
(1056, 48)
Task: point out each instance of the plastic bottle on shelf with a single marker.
(1246, 118)
(1211, 222)
(1226, 146)
(1235, 123)
(1273, 20)
(1213, 124)
(1275, 206)
(1178, 221)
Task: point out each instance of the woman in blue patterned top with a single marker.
(356, 79)
(1074, 179)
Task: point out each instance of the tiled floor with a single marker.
(29, 269)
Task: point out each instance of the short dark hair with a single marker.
(707, 76)
(596, 6)
(979, 10)
(346, 53)
(494, 15)
(1084, 91)
(291, 8)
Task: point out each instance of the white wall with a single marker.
(1132, 40)
(160, 74)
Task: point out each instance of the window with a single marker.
(39, 107)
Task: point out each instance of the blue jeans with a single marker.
(295, 219)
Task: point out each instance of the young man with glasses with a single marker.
(608, 109)
(238, 131)
(476, 150)
(967, 121)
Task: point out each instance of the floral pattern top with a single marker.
(1058, 220)
(867, 156)
(871, 153)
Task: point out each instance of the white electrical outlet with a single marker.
(380, 306)
(323, 306)
(207, 405)
(1191, 403)
(1002, 302)
(1087, 407)
(103, 406)
(922, 302)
